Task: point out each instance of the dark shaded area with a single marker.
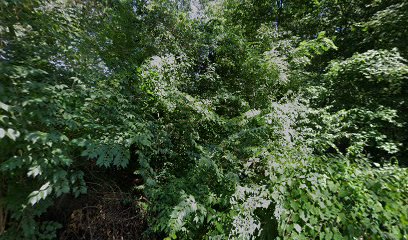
(110, 210)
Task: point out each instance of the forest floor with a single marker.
(108, 211)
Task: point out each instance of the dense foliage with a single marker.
(230, 119)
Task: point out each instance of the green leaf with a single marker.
(4, 106)
(34, 171)
(298, 228)
(12, 134)
(2, 133)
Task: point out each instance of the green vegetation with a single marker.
(224, 119)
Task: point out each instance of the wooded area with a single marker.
(203, 119)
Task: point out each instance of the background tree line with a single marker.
(241, 119)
